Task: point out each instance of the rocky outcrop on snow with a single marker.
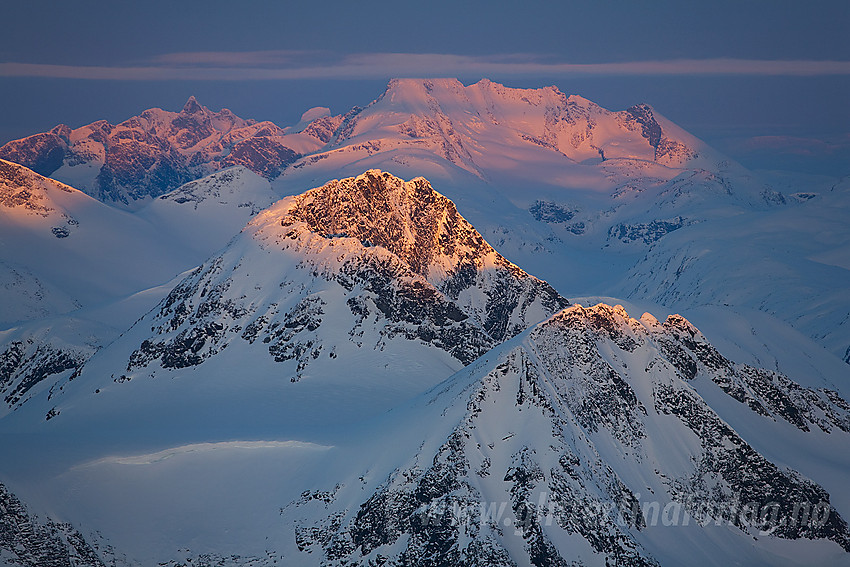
(27, 541)
(25, 364)
(647, 232)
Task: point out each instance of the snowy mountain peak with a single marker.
(224, 186)
(447, 130)
(335, 274)
(409, 218)
(568, 437)
(422, 229)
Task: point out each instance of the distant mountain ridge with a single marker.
(446, 117)
(157, 151)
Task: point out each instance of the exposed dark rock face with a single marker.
(553, 213)
(157, 151)
(730, 472)
(645, 232)
(28, 542)
(666, 150)
(765, 392)
(26, 363)
(650, 129)
(43, 153)
(324, 128)
(261, 155)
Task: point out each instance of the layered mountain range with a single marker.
(484, 129)
(574, 192)
(296, 358)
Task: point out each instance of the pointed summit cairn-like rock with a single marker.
(192, 106)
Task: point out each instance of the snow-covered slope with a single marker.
(592, 439)
(370, 271)
(793, 263)
(61, 249)
(76, 273)
(328, 308)
(205, 214)
(34, 355)
(157, 151)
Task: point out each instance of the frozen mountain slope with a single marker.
(592, 437)
(62, 249)
(371, 269)
(206, 213)
(27, 541)
(793, 263)
(589, 440)
(89, 271)
(36, 354)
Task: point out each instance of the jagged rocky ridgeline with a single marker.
(586, 440)
(157, 151)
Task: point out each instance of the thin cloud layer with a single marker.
(278, 65)
(795, 145)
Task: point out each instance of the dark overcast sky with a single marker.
(766, 81)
